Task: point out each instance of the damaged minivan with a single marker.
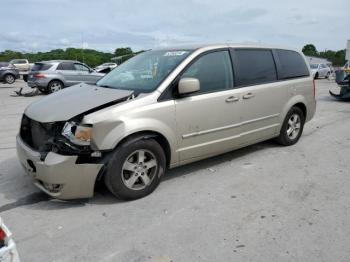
(162, 109)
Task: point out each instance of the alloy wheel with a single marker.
(294, 124)
(9, 79)
(139, 169)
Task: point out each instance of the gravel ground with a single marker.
(260, 203)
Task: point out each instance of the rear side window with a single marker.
(213, 70)
(292, 64)
(66, 66)
(41, 67)
(254, 66)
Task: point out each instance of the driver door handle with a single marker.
(231, 99)
(248, 95)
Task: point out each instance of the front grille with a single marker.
(39, 136)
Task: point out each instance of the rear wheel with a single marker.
(135, 169)
(292, 127)
(10, 79)
(54, 86)
(316, 76)
(327, 75)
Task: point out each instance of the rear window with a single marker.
(253, 66)
(41, 67)
(66, 66)
(292, 64)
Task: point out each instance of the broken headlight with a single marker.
(78, 134)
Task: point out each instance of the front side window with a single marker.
(314, 66)
(213, 70)
(80, 67)
(254, 66)
(292, 64)
(144, 72)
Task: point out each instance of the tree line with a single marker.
(93, 57)
(336, 57)
(88, 56)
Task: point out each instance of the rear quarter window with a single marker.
(292, 64)
(41, 67)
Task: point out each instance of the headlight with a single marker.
(77, 134)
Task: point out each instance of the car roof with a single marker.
(59, 61)
(225, 45)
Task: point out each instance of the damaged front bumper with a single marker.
(60, 176)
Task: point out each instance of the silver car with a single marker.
(52, 76)
(162, 109)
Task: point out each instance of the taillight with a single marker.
(39, 76)
(2, 237)
(314, 86)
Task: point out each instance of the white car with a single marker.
(106, 65)
(8, 251)
(320, 70)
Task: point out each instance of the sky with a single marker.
(42, 25)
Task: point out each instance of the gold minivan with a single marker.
(162, 109)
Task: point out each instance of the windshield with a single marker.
(314, 66)
(144, 72)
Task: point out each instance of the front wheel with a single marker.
(292, 127)
(135, 169)
(10, 79)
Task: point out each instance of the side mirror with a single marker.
(188, 85)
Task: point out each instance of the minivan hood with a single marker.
(72, 101)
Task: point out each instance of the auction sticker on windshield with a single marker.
(175, 53)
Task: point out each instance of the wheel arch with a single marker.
(149, 134)
(296, 101)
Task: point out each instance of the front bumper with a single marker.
(58, 175)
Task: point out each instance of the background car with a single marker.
(320, 70)
(21, 64)
(8, 73)
(105, 66)
(8, 250)
(52, 76)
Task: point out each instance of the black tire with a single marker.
(9, 79)
(286, 139)
(54, 86)
(327, 75)
(43, 90)
(316, 76)
(116, 177)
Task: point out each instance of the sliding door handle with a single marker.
(231, 99)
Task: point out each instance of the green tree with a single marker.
(123, 51)
(310, 50)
